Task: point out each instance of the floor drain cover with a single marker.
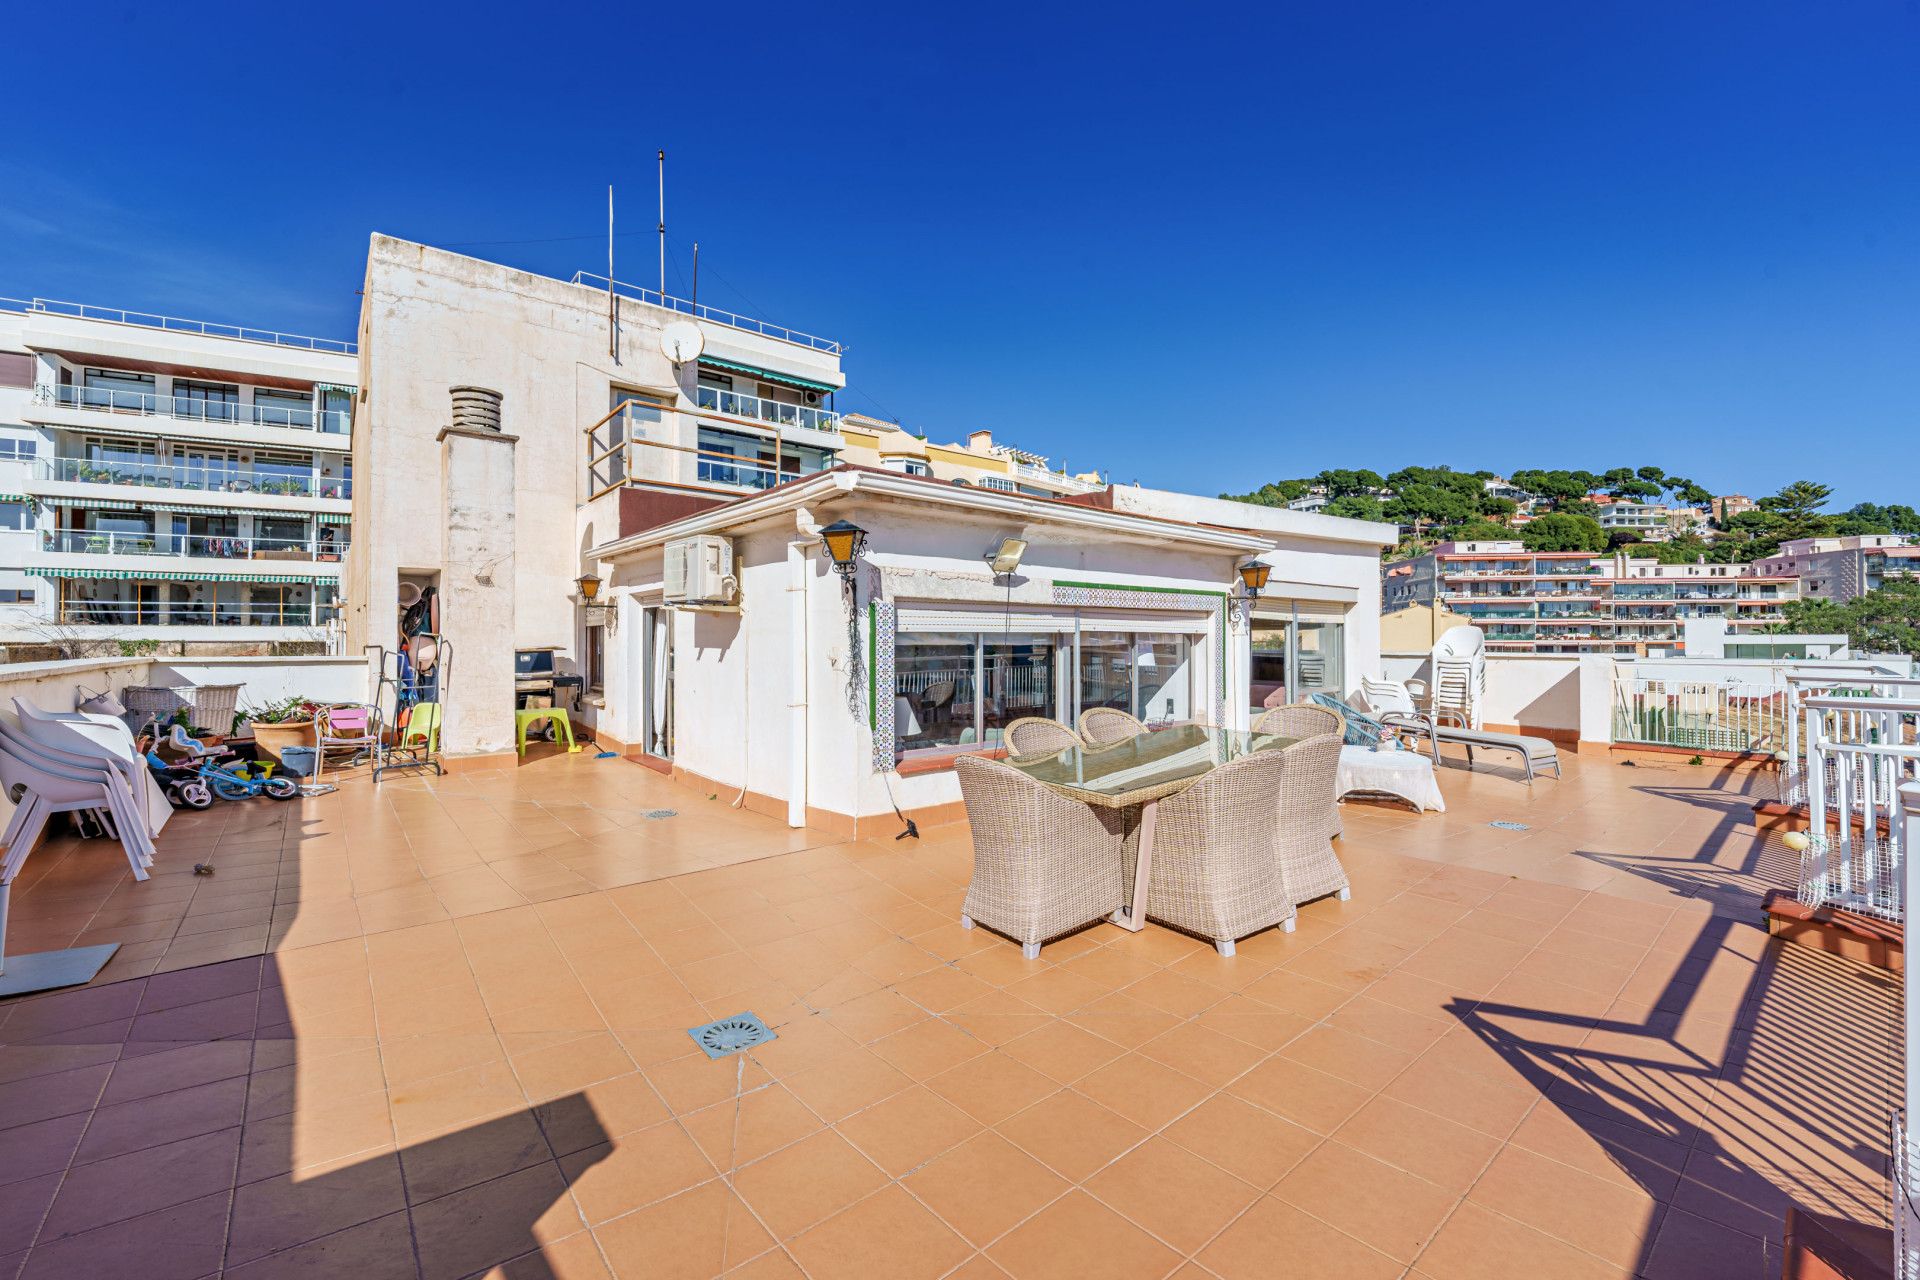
(662, 813)
(1511, 826)
(731, 1035)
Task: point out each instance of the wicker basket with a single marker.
(150, 702)
(213, 706)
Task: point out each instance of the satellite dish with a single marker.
(682, 341)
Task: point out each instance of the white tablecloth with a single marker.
(1406, 774)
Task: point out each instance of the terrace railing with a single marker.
(83, 311)
(773, 412)
(1845, 720)
(203, 479)
(131, 613)
(110, 400)
(1857, 836)
(102, 542)
(654, 297)
(1906, 1160)
(1703, 715)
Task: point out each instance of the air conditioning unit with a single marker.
(813, 397)
(700, 571)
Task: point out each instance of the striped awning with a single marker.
(768, 375)
(328, 517)
(149, 575)
(14, 497)
(335, 386)
(94, 504)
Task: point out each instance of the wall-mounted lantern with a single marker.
(844, 542)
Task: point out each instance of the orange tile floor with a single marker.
(437, 1029)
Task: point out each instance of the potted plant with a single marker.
(288, 723)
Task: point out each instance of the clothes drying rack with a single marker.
(411, 689)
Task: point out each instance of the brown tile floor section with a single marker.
(1560, 1052)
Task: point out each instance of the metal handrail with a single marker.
(160, 475)
(146, 320)
(187, 409)
(640, 293)
(107, 542)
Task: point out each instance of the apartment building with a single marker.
(979, 462)
(170, 480)
(1729, 505)
(1578, 602)
(1648, 520)
(1838, 569)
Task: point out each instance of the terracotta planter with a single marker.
(271, 738)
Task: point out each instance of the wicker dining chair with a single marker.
(1300, 720)
(1038, 736)
(1308, 863)
(1106, 724)
(1043, 865)
(1307, 720)
(1216, 856)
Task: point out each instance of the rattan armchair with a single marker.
(1043, 865)
(1038, 736)
(1308, 863)
(1216, 858)
(1107, 724)
(1300, 720)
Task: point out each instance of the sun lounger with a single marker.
(1532, 751)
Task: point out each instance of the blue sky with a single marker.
(1201, 248)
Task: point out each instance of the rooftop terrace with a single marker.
(439, 1029)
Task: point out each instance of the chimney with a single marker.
(475, 408)
(980, 442)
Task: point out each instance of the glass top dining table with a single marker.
(1144, 768)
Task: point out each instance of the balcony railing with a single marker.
(1704, 715)
(654, 297)
(201, 479)
(142, 404)
(148, 613)
(775, 412)
(1029, 472)
(103, 543)
(81, 310)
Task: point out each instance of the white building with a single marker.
(170, 480)
(1648, 520)
(831, 705)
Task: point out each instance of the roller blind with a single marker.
(1317, 610)
(1114, 620)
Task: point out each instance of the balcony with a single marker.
(1029, 474)
(194, 479)
(140, 404)
(773, 413)
(1560, 614)
(196, 546)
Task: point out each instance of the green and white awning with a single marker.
(149, 575)
(14, 497)
(335, 386)
(328, 517)
(94, 504)
(768, 375)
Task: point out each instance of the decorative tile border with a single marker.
(1082, 595)
(881, 618)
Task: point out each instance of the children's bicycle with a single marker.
(236, 782)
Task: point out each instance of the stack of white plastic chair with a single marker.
(48, 765)
(1459, 663)
(108, 738)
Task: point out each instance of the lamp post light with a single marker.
(1253, 576)
(844, 542)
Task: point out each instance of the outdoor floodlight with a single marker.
(1007, 558)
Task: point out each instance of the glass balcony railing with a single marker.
(110, 400)
(104, 543)
(195, 478)
(774, 412)
(154, 613)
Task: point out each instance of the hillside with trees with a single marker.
(1433, 504)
